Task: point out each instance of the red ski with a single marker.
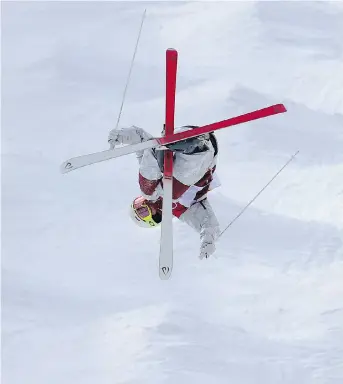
(255, 115)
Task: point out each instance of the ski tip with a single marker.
(66, 167)
(280, 108)
(171, 53)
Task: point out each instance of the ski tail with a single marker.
(250, 116)
(166, 244)
(97, 157)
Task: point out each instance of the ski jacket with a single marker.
(193, 176)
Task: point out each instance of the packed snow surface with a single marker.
(81, 298)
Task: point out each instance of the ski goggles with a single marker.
(143, 211)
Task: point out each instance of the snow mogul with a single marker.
(194, 176)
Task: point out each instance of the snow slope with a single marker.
(81, 297)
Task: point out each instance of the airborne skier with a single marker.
(179, 178)
(193, 176)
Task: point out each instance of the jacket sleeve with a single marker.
(202, 218)
(150, 176)
(129, 135)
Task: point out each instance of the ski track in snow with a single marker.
(81, 297)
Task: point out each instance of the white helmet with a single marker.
(141, 214)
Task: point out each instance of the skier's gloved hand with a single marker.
(207, 248)
(131, 135)
(208, 237)
(115, 137)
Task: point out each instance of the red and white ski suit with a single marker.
(193, 176)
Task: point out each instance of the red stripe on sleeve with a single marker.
(178, 188)
(147, 186)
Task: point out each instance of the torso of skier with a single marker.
(194, 176)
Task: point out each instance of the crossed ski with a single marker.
(166, 243)
(161, 142)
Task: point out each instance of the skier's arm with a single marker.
(201, 217)
(130, 135)
(150, 176)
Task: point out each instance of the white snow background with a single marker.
(81, 298)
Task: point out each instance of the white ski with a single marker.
(97, 157)
(166, 244)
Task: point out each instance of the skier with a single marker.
(193, 176)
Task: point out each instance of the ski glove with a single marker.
(208, 237)
(207, 248)
(131, 135)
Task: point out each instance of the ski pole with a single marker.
(131, 66)
(258, 194)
